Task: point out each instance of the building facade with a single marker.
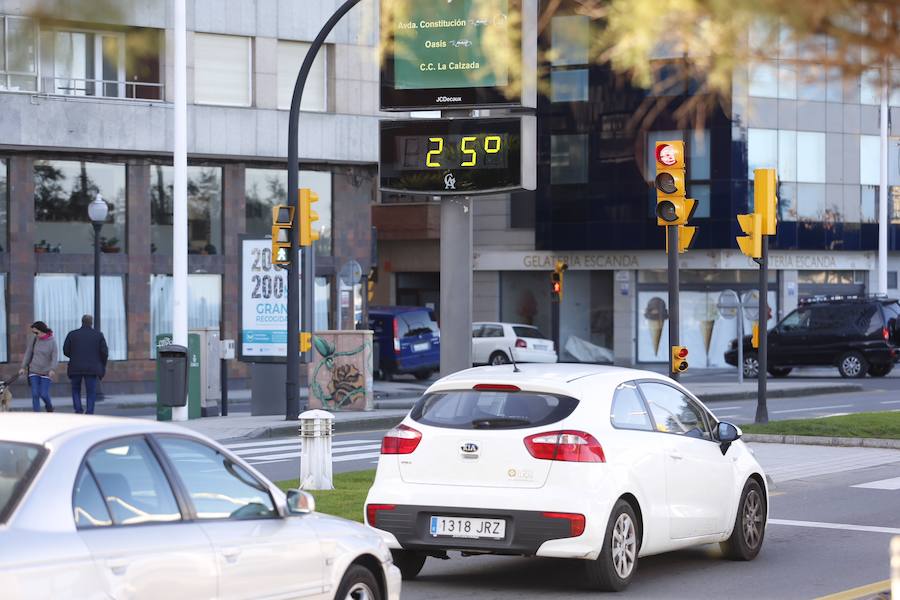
(86, 102)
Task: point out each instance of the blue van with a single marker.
(407, 340)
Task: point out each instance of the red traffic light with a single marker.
(556, 287)
(681, 353)
(666, 154)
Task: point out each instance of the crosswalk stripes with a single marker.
(271, 451)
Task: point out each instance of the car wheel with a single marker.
(852, 365)
(409, 562)
(880, 370)
(358, 584)
(749, 525)
(387, 375)
(613, 569)
(780, 372)
(751, 365)
(423, 374)
(498, 358)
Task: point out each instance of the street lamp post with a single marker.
(97, 211)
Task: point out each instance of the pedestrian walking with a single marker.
(41, 358)
(88, 353)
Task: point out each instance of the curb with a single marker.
(813, 440)
(796, 392)
(288, 429)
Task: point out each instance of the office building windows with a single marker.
(221, 69)
(290, 58)
(204, 191)
(18, 54)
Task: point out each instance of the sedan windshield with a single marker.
(18, 463)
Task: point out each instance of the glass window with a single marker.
(62, 191)
(787, 155)
(18, 54)
(698, 150)
(61, 299)
(18, 463)
(811, 202)
(628, 411)
(221, 69)
(290, 59)
(810, 157)
(264, 188)
(762, 150)
(133, 483)
(204, 305)
(84, 63)
(571, 37)
(3, 348)
(568, 159)
(492, 331)
(476, 330)
(787, 80)
(87, 502)
(797, 320)
(674, 412)
(473, 409)
(892, 280)
(219, 488)
(4, 204)
(529, 332)
(812, 83)
(764, 79)
(870, 87)
(702, 193)
(569, 85)
(204, 200)
(787, 201)
(869, 160)
(869, 203)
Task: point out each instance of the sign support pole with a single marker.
(762, 411)
(456, 284)
(672, 234)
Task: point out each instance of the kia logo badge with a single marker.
(469, 448)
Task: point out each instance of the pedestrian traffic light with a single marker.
(672, 208)
(282, 221)
(679, 359)
(307, 215)
(556, 281)
(751, 244)
(686, 235)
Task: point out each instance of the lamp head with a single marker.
(98, 209)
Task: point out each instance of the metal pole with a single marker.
(883, 185)
(292, 389)
(179, 209)
(97, 227)
(223, 375)
(740, 341)
(762, 411)
(554, 324)
(672, 234)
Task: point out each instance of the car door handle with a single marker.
(675, 454)
(118, 566)
(231, 553)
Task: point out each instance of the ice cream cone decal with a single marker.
(656, 315)
(706, 327)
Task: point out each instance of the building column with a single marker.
(140, 261)
(624, 321)
(788, 295)
(234, 221)
(22, 261)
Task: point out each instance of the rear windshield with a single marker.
(529, 332)
(470, 409)
(416, 323)
(18, 463)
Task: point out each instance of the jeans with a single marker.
(90, 386)
(40, 390)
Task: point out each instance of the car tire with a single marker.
(498, 358)
(751, 365)
(409, 562)
(852, 365)
(358, 583)
(780, 371)
(387, 375)
(749, 524)
(613, 570)
(423, 374)
(880, 370)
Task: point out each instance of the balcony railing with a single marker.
(103, 88)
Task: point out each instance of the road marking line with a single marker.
(728, 416)
(843, 526)
(863, 591)
(793, 410)
(891, 402)
(718, 408)
(346, 458)
(883, 484)
(832, 415)
(285, 441)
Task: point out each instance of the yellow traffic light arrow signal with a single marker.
(307, 216)
(751, 244)
(686, 235)
(765, 199)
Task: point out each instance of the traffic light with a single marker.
(754, 339)
(556, 281)
(672, 208)
(751, 244)
(372, 281)
(764, 219)
(305, 341)
(686, 235)
(307, 215)
(282, 221)
(679, 359)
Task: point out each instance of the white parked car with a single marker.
(496, 343)
(595, 463)
(99, 508)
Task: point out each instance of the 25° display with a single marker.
(451, 156)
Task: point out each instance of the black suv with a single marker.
(859, 335)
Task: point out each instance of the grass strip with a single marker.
(346, 499)
(882, 425)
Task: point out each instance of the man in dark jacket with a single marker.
(87, 352)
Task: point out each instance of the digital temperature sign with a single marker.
(457, 156)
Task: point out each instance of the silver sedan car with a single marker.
(97, 507)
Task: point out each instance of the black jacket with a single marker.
(87, 352)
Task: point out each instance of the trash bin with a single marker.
(172, 371)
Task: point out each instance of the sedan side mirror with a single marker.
(727, 433)
(300, 502)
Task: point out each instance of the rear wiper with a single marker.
(500, 422)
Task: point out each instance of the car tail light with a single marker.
(373, 509)
(400, 440)
(567, 446)
(520, 343)
(576, 521)
(886, 334)
(396, 337)
(496, 387)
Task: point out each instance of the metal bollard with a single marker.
(316, 431)
(895, 567)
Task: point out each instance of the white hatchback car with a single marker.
(601, 464)
(100, 508)
(495, 343)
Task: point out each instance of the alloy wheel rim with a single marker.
(624, 546)
(499, 360)
(852, 366)
(751, 367)
(360, 591)
(752, 520)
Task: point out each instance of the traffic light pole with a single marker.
(762, 411)
(672, 234)
(554, 325)
(292, 381)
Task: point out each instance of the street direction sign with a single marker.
(728, 304)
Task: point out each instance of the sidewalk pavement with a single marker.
(786, 462)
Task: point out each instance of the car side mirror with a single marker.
(300, 502)
(727, 433)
